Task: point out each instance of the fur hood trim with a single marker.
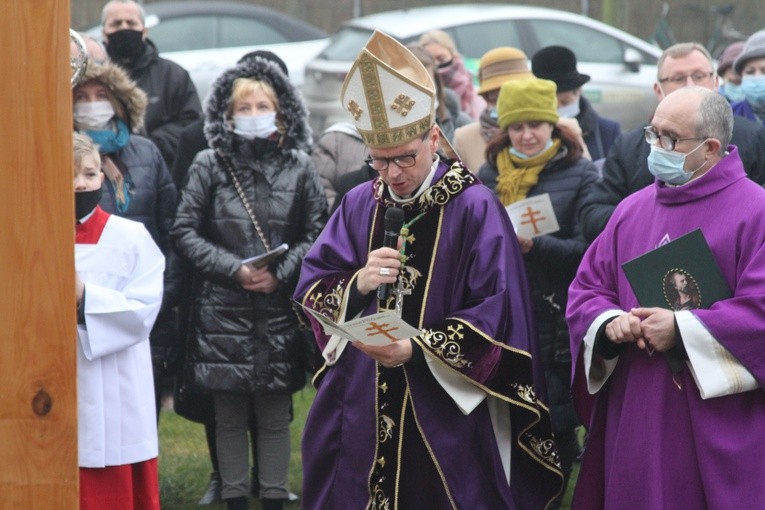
(132, 100)
(292, 114)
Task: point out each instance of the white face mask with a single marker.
(95, 115)
(255, 126)
(569, 111)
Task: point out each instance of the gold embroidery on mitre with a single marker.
(392, 137)
(354, 109)
(383, 62)
(402, 104)
(373, 92)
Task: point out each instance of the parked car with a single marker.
(206, 38)
(622, 67)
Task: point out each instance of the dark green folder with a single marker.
(686, 262)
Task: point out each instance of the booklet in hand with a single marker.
(381, 328)
(533, 216)
(266, 258)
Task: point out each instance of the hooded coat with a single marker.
(152, 192)
(242, 341)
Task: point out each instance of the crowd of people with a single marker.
(533, 351)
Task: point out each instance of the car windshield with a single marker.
(346, 44)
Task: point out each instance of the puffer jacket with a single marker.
(551, 266)
(242, 341)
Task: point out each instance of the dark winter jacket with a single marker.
(242, 341)
(626, 170)
(551, 266)
(173, 99)
(598, 132)
(153, 195)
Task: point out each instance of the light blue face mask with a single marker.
(569, 111)
(255, 126)
(669, 166)
(732, 92)
(493, 112)
(524, 156)
(753, 88)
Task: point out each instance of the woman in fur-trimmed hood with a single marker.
(109, 107)
(243, 345)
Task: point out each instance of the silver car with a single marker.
(206, 38)
(622, 67)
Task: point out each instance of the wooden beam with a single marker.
(38, 399)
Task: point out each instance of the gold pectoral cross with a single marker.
(400, 291)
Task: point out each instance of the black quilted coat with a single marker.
(241, 341)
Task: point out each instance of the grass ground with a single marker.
(184, 464)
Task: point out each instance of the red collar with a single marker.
(90, 231)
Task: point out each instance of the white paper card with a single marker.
(378, 329)
(533, 216)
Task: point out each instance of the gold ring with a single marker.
(384, 271)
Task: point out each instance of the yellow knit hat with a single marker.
(527, 100)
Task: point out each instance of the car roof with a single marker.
(173, 9)
(423, 19)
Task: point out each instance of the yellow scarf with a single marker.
(517, 176)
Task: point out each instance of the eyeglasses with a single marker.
(682, 79)
(665, 141)
(402, 161)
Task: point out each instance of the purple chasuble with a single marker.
(651, 445)
(470, 300)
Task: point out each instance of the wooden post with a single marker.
(38, 399)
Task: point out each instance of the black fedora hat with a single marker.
(558, 64)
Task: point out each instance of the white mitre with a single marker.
(389, 94)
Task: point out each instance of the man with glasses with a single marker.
(661, 438)
(625, 169)
(399, 426)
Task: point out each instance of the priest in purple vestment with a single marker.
(452, 418)
(694, 439)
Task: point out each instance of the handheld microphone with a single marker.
(394, 220)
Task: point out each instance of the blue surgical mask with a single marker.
(753, 88)
(492, 110)
(732, 92)
(569, 111)
(669, 166)
(524, 156)
(255, 126)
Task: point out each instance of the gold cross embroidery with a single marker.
(354, 109)
(402, 104)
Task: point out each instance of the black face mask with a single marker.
(85, 202)
(125, 45)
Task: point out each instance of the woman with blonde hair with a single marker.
(253, 190)
(452, 70)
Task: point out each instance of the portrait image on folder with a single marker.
(264, 259)
(680, 275)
